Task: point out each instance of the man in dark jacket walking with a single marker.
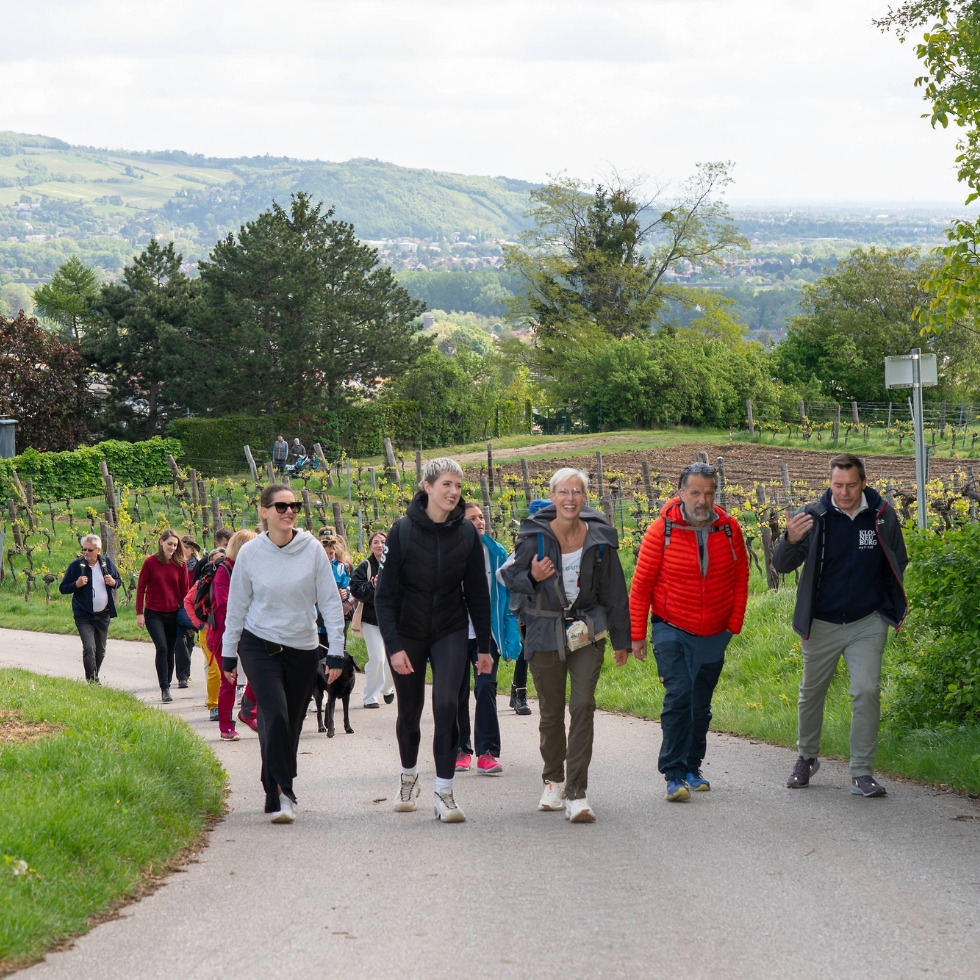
(91, 581)
(853, 555)
(280, 454)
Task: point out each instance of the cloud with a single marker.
(808, 99)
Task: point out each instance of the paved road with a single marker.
(749, 881)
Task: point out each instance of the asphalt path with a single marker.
(748, 881)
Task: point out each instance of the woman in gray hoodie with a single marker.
(279, 580)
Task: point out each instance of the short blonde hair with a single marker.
(569, 473)
(436, 467)
(237, 540)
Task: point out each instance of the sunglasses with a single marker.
(90, 549)
(281, 506)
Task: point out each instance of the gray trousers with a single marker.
(861, 644)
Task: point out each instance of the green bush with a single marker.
(936, 680)
(77, 473)
(359, 431)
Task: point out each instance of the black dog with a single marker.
(341, 688)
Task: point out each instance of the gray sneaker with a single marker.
(866, 786)
(802, 771)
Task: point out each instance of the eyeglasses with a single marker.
(697, 469)
(564, 494)
(90, 549)
(281, 506)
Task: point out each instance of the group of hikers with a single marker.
(436, 591)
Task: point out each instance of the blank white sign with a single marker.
(898, 371)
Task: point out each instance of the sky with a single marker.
(808, 100)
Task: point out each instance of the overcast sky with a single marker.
(808, 99)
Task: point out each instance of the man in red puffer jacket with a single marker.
(692, 578)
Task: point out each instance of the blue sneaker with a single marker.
(696, 783)
(677, 791)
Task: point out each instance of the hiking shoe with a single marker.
(677, 791)
(285, 812)
(373, 704)
(230, 735)
(487, 765)
(513, 696)
(183, 684)
(213, 714)
(408, 793)
(866, 786)
(696, 783)
(521, 706)
(579, 811)
(389, 697)
(463, 761)
(446, 809)
(165, 695)
(249, 719)
(802, 771)
(553, 797)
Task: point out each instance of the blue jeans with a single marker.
(487, 725)
(689, 667)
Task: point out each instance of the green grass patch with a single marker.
(92, 810)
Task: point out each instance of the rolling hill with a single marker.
(56, 199)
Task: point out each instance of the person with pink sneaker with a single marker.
(220, 588)
(505, 639)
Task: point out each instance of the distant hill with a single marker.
(56, 199)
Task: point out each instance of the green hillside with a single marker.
(56, 199)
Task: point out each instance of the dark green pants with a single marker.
(567, 758)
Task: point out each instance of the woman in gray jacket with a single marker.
(567, 564)
(279, 580)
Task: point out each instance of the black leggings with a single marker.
(520, 672)
(283, 686)
(162, 627)
(448, 657)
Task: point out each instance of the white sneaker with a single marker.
(446, 809)
(553, 797)
(407, 794)
(579, 811)
(285, 812)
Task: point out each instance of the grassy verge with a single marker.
(109, 794)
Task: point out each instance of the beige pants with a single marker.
(861, 645)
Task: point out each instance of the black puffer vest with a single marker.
(433, 565)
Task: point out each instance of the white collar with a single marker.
(861, 507)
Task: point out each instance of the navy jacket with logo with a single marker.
(843, 577)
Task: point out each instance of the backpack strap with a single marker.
(404, 533)
(668, 527)
(727, 528)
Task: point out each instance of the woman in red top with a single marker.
(163, 583)
(219, 595)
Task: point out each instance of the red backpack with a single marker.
(199, 602)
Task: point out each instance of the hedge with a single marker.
(359, 431)
(77, 473)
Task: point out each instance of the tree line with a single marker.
(295, 315)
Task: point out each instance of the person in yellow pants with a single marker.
(214, 675)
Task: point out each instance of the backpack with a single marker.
(203, 602)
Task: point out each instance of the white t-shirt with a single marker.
(100, 597)
(571, 566)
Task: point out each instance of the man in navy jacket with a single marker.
(853, 555)
(91, 581)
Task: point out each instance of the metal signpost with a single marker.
(916, 371)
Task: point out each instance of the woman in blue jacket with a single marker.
(505, 641)
(91, 581)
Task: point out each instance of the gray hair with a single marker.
(91, 539)
(436, 467)
(568, 473)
